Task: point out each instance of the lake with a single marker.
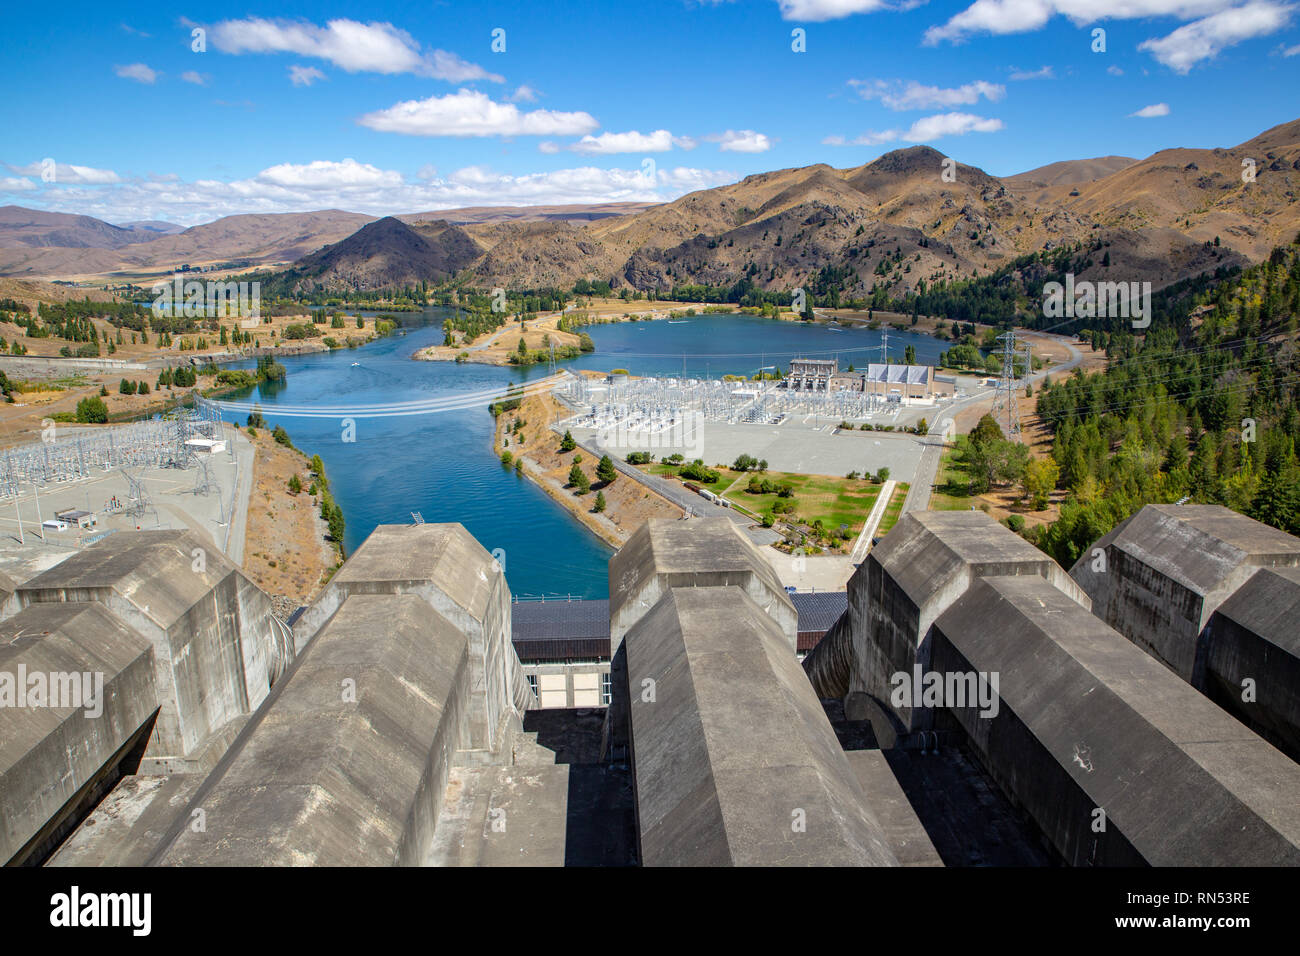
(442, 465)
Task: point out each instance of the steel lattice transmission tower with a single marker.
(1009, 388)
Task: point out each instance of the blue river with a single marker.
(442, 465)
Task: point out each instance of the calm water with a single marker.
(443, 466)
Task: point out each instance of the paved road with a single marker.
(679, 495)
(918, 495)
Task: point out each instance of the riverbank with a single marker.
(287, 553)
(627, 504)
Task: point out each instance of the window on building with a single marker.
(604, 689)
(532, 682)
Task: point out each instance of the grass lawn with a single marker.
(951, 491)
(893, 509)
(835, 501)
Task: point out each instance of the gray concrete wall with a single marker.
(703, 552)
(1116, 759)
(734, 760)
(216, 652)
(47, 754)
(451, 572)
(1252, 665)
(1167, 568)
(326, 777)
(926, 563)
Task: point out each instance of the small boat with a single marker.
(356, 364)
(678, 321)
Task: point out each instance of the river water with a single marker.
(442, 465)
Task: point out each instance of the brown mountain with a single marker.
(1069, 172)
(264, 239)
(385, 254)
(32, 228)
(908, 216)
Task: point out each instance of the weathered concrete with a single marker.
(925, 563)
(49, 756)
(904, 833)
(700, 553)
(128, 826)
(9, 603)
(1087, 723)
(1254, 636)
(734, 760)
(454, 575)
(216, 648)
(348, 763)
(1162, 573)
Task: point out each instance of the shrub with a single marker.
(92, 411)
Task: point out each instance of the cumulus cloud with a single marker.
(896, 95)
(470, 113)
(193, 76)
(1216, 23)
(348, 44)
(138, 72)
(1155, 109)
(15, 184)
(523, 94)
(741, 141)
(660, 141)
(361, 187)
(323, 174)
(923, 130)
(304, 75)
(1204, 39)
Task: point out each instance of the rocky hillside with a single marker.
(384, 254)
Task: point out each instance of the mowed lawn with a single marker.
(951, 484)
(835, 501)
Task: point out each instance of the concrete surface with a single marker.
(48, 754)
(324, 777)
(216, 650)
(734, 760)
(457, 578)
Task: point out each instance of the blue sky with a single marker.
(403, 107)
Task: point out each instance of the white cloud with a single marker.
(348, 44)
(546, 146)
(817, 11)
(427, 171)
(1113, 70)
(1042, 73)
(193, 76)
(660, 141)
(524, 94)
(15, 184)
(363, 188)
(138, 72)
(741, 141)
(323, 174)
(68, 174)
(304, 75)
(1218, 23)
(916, 96)
(470, 113)
(1204, 39)
(1155, 109)
(1291, 51)
(923, 130)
